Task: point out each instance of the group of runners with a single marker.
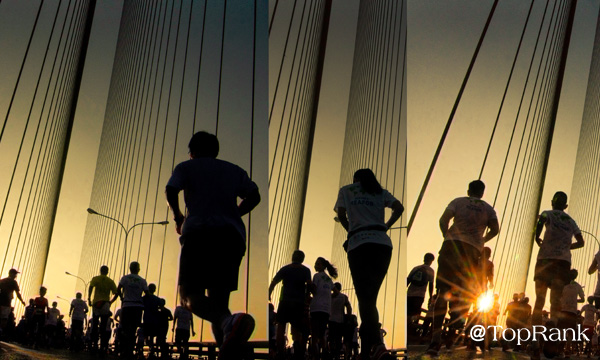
(43, 326)
(465, 273)
(316, 309)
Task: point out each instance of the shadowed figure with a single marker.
(457, 280)
(361, 210)
(213, 237)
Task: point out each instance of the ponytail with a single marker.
(330, 268)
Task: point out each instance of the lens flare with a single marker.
(485, 301)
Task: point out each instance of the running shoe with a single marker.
(237, 330)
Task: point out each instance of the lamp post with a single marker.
(85, 283)
(126, 231)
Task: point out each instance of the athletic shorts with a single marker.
(457, 266)
(291, 312)
(101, 308)
(210, 259)
(413, 305)
(549, 270)
(4, 312)
(182, 336)
(318, 323)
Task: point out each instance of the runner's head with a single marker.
(151, 288)
(203, 144)
(298, 256)
(590, 300)
(134, 267)
(476, 189)
(428, 258)
(573, 273)
(78, 296)
(559, 201)
(367, 181)
(104, 270)
(337, 287)
(43, 291)
(12, 273)
(322, 264)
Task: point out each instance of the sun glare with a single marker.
(485, 301)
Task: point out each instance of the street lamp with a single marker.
(94, 212)
(85, 283)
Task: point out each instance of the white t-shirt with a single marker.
(184, 318)
(211, 188)
(597, 290)
(418, 271)
(79, 309)
(322, 298)
(589, 315)
(471, 216)
(364, 209)
(338, 306)
(560, 228)
(53, 314)
(133, 287)
(571, 293)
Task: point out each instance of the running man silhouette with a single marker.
(102, 286)
(296, 283)
(554, 259)
(130, 291)
(213, 238)
(463, 244)
(8, 286)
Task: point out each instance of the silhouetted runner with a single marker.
(554, 259)
(213, 236)
(361, 210)
(292, 301)
(103, 287)
(457, 281)
(130, 290)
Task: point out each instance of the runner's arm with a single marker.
(578, 243)
(348, 307)
(397, 210)
(593, 267)
(430, 288)
(274, 282)
(249, 202)
(538, 229)
(172, 195)
(493, 230)
(90, 295)
(20, 298)
(118, 294)
(445, 221)
(343, 217)
(192, 326)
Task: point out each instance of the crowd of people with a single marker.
(93, 326)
